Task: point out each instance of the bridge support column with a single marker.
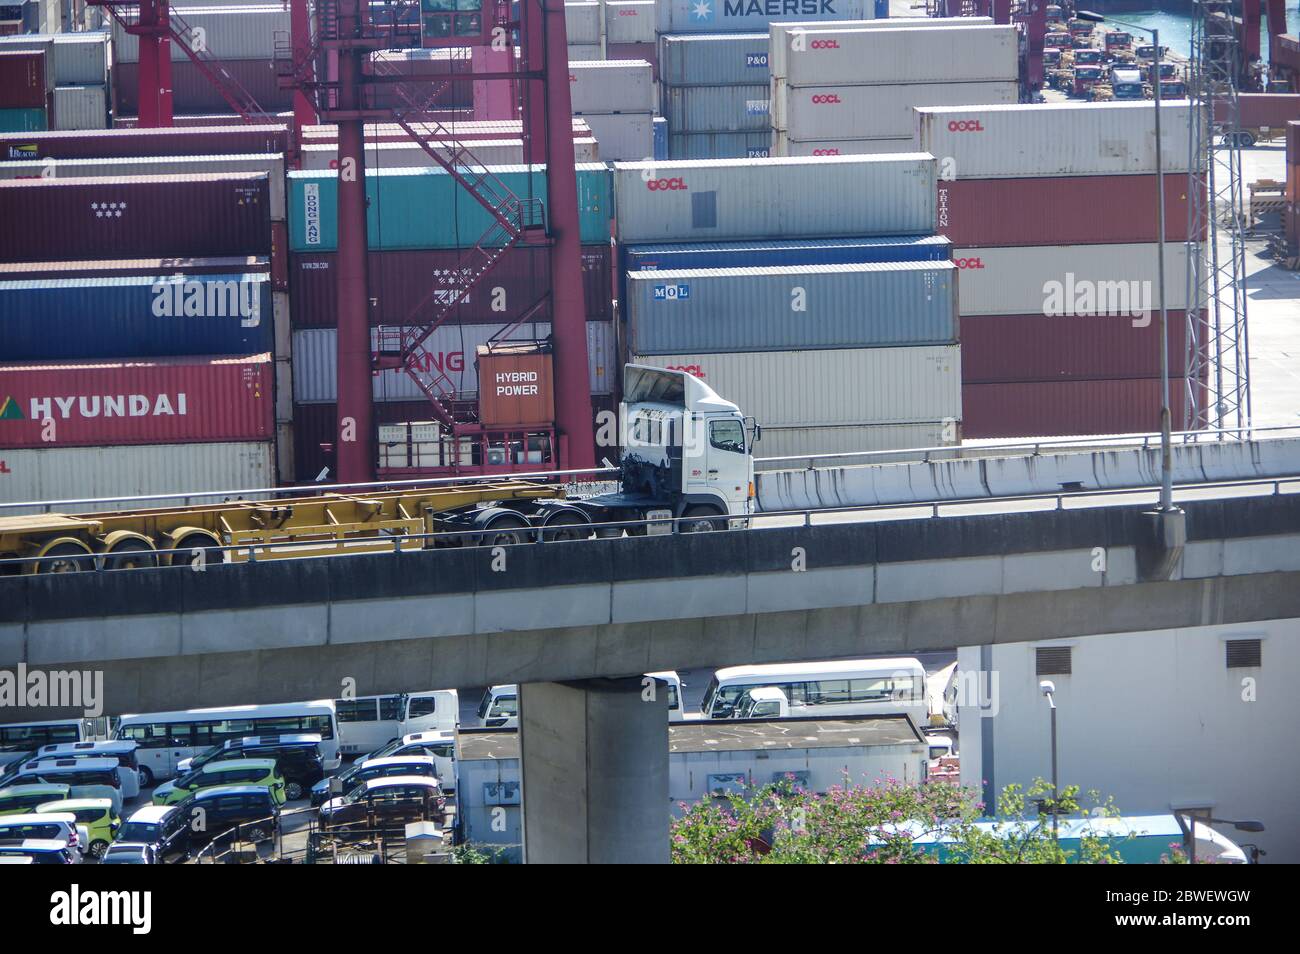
(594, 765)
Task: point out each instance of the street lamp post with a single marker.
(1049, 690)
(1187, 822)
(1166, 451)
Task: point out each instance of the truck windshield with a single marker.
(727, 435)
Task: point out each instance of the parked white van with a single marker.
(124, 750)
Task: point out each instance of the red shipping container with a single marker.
(1257, 111)
(399, 281)
(113, 143)
(238, 264)
(1071, 210)
(1006, 348)
(165, 401)
(1068, 408)
(205, 215)
(24, 82)
(515, 384)
(192, 92)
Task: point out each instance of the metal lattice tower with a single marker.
(1218, 365)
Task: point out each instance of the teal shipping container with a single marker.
(428, 209)
(23, 120)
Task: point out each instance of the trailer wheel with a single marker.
(67, 556)
(696, 520)
(504, 531)
(187, 543)
(566, 526)
(129, 552)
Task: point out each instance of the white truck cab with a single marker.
(686, 454)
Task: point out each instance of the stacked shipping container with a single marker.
(78, 75)
(139, 316)
(715, 95)
(421, 222)
(832, 322)
(241, 37)
(617, 99)
(25, 90)
(1052, 214)
(843, 91)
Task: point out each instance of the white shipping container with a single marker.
(448, 352)
(739, 16)
(472, 130)
(584, 52)
(852, 439)
(582, 23)
(228, 33)
(782, 145)
(630, 21)
(777, 31)
(270, 163)
(74, 59)
(80, 107)
(410, 155)
(872, 112)
(89, 473)
(623, 136)
(1068, 280)
(611, 86)
(830, 55)
(786, 198)
(841, 386)
(1056, 139)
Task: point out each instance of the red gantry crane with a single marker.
(337, 70)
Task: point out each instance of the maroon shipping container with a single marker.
(1008, 348)
(204, 119)
(400, 280)
(1257, 111)
(1072, 210)
(24, 80)
(192, 92)
(115, 143)
(118, 268)
(201, 215)
(164, 401)
(1068, 408)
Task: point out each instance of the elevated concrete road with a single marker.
(296, 629)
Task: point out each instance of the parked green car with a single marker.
(261, 772)
(96, 814)
(20, 799)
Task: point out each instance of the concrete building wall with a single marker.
(485, 823)
(1153, 719)
(818, 769)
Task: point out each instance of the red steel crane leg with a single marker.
(355, 446)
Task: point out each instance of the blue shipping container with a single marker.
(135, 317)
(719, 145)
(714, 59)
(730, 16)
(427, 208)
(660, 128)
(850, 251)
(873, 305)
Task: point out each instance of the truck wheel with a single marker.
(567, 526)
(696, 520)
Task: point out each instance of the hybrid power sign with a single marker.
(723, 16)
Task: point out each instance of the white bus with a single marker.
(20, 740)
(167, 737)
(370, 722)
(822, 689)
(499, 707)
